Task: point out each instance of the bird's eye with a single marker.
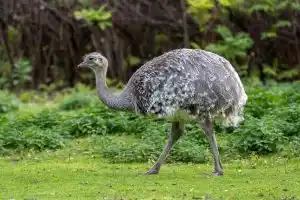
(90, 58)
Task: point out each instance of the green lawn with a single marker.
(77, 173)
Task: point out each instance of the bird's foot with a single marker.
(220, 173)
(151, 172)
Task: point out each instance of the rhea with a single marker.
(198, 83)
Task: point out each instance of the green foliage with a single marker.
(118, 152)
(85, 125)
(31, 131)
(290, 116)
(278, 16)
(8, 102)
(31, 138)
(271, 120)
(267, 6)
(200, 10)
(3, 120)
(21, 74)
(272, 32)
(74, 102)
(231, 46)
(44, 120)
(262, 136)
(133, 60)
(262, 102)
(295, 6)
(190, 148)
(99, 16)
(272, 8)
(271, 125)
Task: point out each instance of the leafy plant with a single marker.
(289, 123)
(29, 138)
(74, 102)
(8, 102)
(272, 32)
(262, 136)
(189, 150)
(21, 74)
(118, 152)
(43, 120)
(262, 101)
(271, 125)
(99, 16)
(84, 125)
(200, 10)
(231, 46)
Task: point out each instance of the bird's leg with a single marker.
(176, 132)
(207, 126)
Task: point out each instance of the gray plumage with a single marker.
(201, 83)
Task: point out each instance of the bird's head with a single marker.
(96, 61)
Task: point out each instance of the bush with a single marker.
(84, 125)
(125, 123)
(3, 120)
(118, 152)
(45, 119)
(192, 147)
(189, 150)
(31, 131)
(271, 125)
(8, 102)
(29, 138)
(262, 136)
(261, 101)
(288, 120)
(185, 150)
(74, 102)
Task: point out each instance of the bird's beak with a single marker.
(81, 65)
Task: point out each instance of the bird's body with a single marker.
(202, 83)
(199, 82)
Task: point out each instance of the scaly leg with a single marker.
(175, 134)
(207, 126)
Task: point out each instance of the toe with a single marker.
(220, 173)
(151, 172)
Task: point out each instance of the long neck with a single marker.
(120, 102)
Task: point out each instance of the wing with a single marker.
(158, 88)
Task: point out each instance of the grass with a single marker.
(76, 172)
